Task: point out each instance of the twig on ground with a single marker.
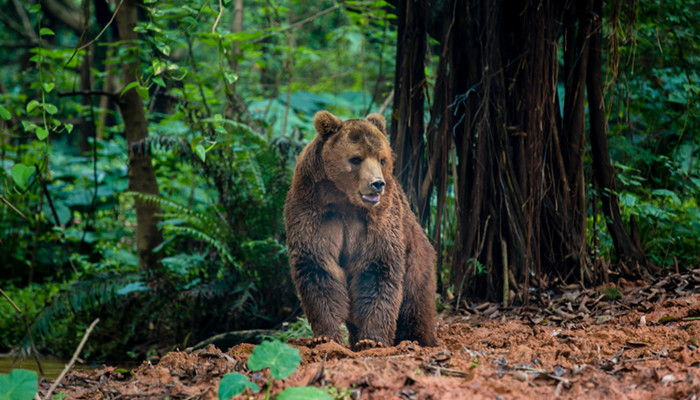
(446, 371)
(72, 360)
(318, 375)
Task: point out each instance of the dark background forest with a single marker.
(146, 149)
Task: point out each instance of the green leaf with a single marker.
(233, 384)
(133, 287)
(666, 193)
(20, 174)
(304, 393)
(41, 133)
(230, 77)
(159, 81)
(282, 359)
(46, 32)
(163, 48)
(143, 92)
(20, 384)
(48, 86)
(28, 126)
(68, 126)
(158, 66)
(129, 86)
(50, 108)
(32, 105)
(5, 113)
(200, 151)
(198, 147)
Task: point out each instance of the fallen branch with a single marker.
(72, 360)
(445, 371)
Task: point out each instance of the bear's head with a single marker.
(356, 157)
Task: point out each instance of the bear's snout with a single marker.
(378, 185)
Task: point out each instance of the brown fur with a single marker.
(361, 262)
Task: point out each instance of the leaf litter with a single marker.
(632, 340)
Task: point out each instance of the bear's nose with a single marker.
(378, 185)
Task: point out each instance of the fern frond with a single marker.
(84, 294)
(221, 247)
(146, 145)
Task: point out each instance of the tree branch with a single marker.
(298, 23)
(71, 17)
(4, 200)
(72, 360)
(88, 44)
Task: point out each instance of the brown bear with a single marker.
(356, 250)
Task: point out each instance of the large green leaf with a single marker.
(20, 384)
(20, 174)
(282, 359)
(5, 113)
(233, 384)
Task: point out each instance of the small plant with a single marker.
(296, 330)
(282, 360)
(611, 293)
(340, 393)
(19, 384)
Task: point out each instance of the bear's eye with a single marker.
(355, 161)
(383, 162)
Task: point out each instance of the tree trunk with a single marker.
(502, 73)
(407, 127)
(518, 169)
(626, 249)
(141, 175)
(564, 211)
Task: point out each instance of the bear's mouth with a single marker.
(370, 198)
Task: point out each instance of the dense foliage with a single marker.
(228, 107)
(653, 92)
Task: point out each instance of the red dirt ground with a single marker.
(578, 345)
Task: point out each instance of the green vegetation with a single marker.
(227, 106)
(20, 384)
(227, 111)
(282, 360)
(653, 93)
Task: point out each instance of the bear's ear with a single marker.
(326, 123)
(378, 121)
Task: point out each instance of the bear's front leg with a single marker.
(376, 293)
(324, 296)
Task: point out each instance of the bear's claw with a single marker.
(367, 344)
(320, 340)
